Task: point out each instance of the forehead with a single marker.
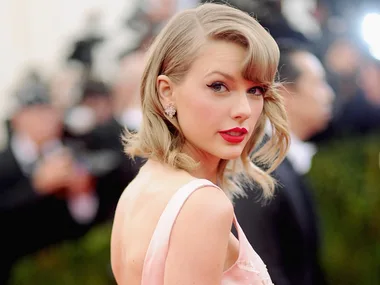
(220, 56)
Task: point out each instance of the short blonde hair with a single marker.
(171, 54)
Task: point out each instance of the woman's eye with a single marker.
(257, 91)
(218, 87)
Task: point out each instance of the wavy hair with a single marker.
(172, 54)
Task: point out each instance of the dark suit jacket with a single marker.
(15, 188)
(102, 152)
(284, 232)
(28, 221)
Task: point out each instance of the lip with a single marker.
(233, 138)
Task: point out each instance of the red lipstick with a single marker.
(235, 135)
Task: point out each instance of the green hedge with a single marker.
(347, 176)
(85, 261)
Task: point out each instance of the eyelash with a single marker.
(214, 86)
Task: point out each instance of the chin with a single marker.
(231, 154)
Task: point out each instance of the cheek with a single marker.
(317, 100)
(257, 108)
(200, 109)
(312, 109)
(314, 98)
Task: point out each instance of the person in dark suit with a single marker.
(35, 168)
(55, 186)
(98, 145)
(284, 231)
(35, 130)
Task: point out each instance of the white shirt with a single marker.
(301, 154)
(25, 152)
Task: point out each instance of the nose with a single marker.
(241, 108)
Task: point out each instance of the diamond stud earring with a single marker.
(170, 110)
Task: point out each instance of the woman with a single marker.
(207, 90)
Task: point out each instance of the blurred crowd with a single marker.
(63, 168)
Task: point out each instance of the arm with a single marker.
(199, 239)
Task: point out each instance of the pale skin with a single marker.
(212, 97)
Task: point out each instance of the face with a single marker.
(101, 106)
(41, 123)
(312, 97)
(217, 109)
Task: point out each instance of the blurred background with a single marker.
(69, 84)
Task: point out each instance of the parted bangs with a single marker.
(261, 63)
(226, 24)
(263, 54)
(182, 45)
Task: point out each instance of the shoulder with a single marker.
(210, 201)
(207, 199)
(199, 238)
(207, 213)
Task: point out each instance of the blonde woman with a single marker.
(207, 90)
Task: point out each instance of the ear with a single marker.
(165, 90)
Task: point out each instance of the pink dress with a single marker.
(249, 269)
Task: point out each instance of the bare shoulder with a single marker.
(199, 239)
(207, 209)
(209, 200)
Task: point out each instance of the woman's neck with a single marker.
(207, 167)
(207, 164)
(205, 172)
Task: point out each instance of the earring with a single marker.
(170, 110)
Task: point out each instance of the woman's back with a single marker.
(139, 211)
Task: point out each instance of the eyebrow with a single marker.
(226, 75)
